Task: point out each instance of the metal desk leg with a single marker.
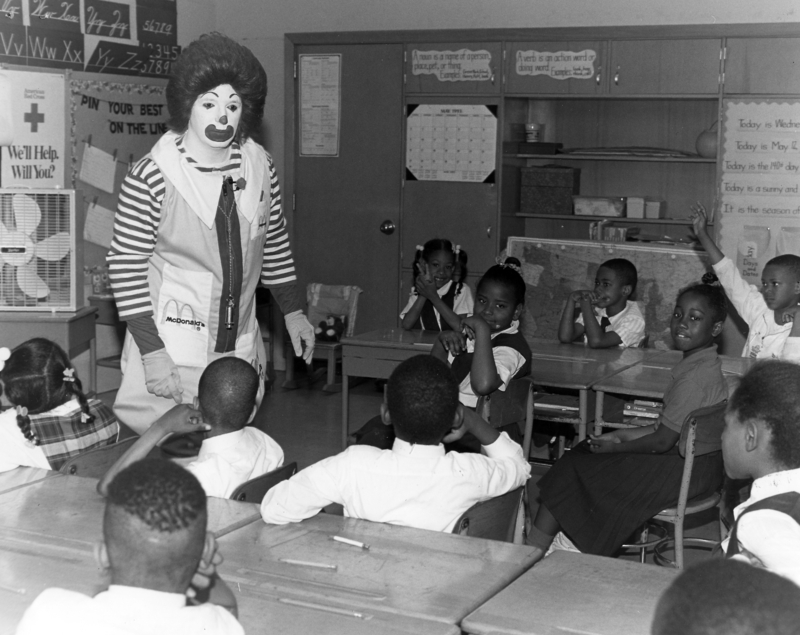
(345, 408)
(598, 413)
(583, 395)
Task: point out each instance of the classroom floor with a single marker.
(307, 425)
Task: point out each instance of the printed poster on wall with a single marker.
(556, 64)
(32, 129)
(451, 143)
(463, 65)
(320, 102)
(760, 184)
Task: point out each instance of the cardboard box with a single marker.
(548, 189)
(634, 207)
(654, 208)
(599, 206)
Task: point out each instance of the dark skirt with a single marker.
(600, 499)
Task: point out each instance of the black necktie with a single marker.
(604, 323)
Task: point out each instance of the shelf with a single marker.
(622, 219)
(611, 157)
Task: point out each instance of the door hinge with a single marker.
(405, 56)
(295, 70)
(294, 201)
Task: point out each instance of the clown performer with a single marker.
(198, 225)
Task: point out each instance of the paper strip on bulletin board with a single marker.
(760, 185)
(320, 103)
(451, 143)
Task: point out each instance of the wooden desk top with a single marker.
(394, 338)
(575, 593)
(22, 476)
(67, 510)
(46, 316)
(409, 572)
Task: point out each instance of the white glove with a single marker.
(161, 375)
(300, 330)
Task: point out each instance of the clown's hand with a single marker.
(300, 330)
(161, 375)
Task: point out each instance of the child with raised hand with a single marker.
(605, 487)
(415, 483)
(761, 440)
(770, 311)
(439, 297)
(487, 351)
(232, 453)
(161, 563)
(607, 317)
(51, 420)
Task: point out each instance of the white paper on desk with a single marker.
(99, 226)
(98, 168)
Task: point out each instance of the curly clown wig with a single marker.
(210, 61)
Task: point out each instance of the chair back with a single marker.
(710, 422)
(512, 405)
(332, 299)
(494, 519)
(96, 462)
(254, 490)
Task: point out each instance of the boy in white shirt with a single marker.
(160, 559)
(769, 312)
(233, 453)
(607, 317)
(415, 483)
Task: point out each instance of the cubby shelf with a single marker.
(621, 219)
(610, 157)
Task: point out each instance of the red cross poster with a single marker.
(32, 129)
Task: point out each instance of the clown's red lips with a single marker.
(219, 135)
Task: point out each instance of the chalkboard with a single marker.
(759, 211)
(552, 269)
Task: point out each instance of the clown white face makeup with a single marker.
(213, 122)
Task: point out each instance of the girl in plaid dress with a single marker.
(48, 419)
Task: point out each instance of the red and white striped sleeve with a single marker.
(135, 234)
(278, 264)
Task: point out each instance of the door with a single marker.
(556, 68)
(664, 67)
(762, 66)
(456, 67)
(342, 201)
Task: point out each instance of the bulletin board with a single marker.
(113, 122)
(759, 211)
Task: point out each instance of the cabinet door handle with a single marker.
(489, 231)
(616, 77)
(597, 78)
(492, 78)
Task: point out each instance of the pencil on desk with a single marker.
(305, 563)
(348, 541)
(12, 589)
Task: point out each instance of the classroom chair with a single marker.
(96, 462)
(326, 300)
(700, 434)
(512, 405)
(495, 519)
(253, 491)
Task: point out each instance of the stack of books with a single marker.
(643, 408)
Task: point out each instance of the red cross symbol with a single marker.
(34, 117)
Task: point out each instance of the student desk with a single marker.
(67, 511)
(578, 367)
(409, 572)
(651, 378)
(22, 476)
(72, 331)
(376, 354)
(575, 593)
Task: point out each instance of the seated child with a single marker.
(607, 317)
(605, 487)
(415, 483)
(158, 554)
(724, 597)
(439, 297)
(233, 453)
(52, 420)
(769, 311)
(761, 440)
(485, 353)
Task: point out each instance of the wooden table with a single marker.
(575, 593)
(651, 378)
(376, 354)
(72, 330)
(410, 572)
(22, 476)
(67, 510)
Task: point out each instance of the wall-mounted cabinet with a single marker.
(762, 66)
